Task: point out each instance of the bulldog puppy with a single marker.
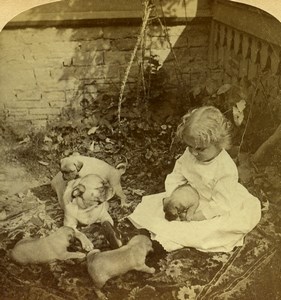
(85, 201)
(76, 165)
(104, 265)
(181, 204)
(46, 249)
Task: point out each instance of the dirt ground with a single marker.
(260, 282)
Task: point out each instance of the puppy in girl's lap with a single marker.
(182, 204)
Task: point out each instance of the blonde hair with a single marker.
(206, 125)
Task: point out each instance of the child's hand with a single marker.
(198, 216)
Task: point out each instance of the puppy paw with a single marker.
(80, 255)
(100, 294)
(87, 245)
(125, 204)
(152, 270)
(93, 251)
(73, 255)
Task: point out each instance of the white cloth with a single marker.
(230, 210)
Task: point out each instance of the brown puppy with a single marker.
(84, 201)
(104, 265)
(75, 166)
(182, 204)
(46, 249)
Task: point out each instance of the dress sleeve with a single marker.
(176, 178)
(223, 195)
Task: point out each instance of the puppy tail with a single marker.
(122, 167)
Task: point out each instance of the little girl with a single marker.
(226, 212)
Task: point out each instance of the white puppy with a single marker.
(104, 265)
(75, 166)
(46, 249)
(85, 201)
(181, 204)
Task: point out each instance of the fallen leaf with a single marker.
(138, 192)
(196, 91)
(21, 195)
(210, 86)
(3, 215)
(265, 205)
(223, 89)
(93, 130)
(241, 105)
(238, 116)
(108, 140)
(24, 141)
(47, 139)
(43, 163)
(92, 146)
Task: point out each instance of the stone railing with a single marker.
(245, 50)
(245, 41)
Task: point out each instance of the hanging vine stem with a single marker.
(147, 11)
(247, 122)
(146, 86)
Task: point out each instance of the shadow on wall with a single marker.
(82, 56)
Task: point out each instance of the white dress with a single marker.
(230, 210)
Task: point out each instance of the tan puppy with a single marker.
(182, 204)
(84, 201)
(47, 249)
(75, 166)
(104, 265)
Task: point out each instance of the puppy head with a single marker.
(142, 241)
(65, 232)
(177, 205)
(91, 190)
(70, 168)
(173, 210)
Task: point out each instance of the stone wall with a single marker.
(46, 69)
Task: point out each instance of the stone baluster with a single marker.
(254, 59)
(243, 66)
(220, 45)
(275, 60)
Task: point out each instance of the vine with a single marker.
(147, 11)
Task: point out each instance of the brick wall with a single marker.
(43, 69)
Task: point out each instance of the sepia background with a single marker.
(112, 79)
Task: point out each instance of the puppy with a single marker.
(104, 265)
(89, 190)
(85, 201)
(182, 204)
(46, 249)
(75, 166)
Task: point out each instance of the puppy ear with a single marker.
(79, 166)
(75, 154)
(78, 191)
(168, 209)
(166, 202)
(106, 191)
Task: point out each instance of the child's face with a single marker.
(203, 154)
